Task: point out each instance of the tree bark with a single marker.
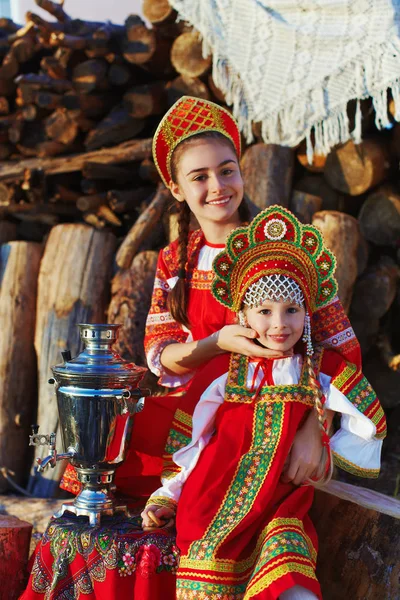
(15, 537)
(131, 296)
(267, 172)
(20, 263)
(342, 236)
(72, 289)
(359, 550)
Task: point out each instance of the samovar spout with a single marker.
(37, 439)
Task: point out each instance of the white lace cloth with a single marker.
(293, 65)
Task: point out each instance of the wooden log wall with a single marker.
(79, 104)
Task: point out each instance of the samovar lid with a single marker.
(97, 360)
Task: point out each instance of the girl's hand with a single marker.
(155, 517)
(235, 338)
(306, 452)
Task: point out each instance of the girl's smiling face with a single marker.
(209, 180)
(279, 325)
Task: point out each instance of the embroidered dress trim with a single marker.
(350, 467)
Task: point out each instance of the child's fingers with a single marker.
(154, 518)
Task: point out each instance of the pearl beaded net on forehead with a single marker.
(277, 288)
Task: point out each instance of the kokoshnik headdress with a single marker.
(279, 251)
(190, 116)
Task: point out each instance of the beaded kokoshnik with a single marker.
(190, 116)
(277, 258)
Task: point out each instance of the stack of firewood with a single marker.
(72, 87)
(79, 103)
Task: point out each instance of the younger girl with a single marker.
(243, 532)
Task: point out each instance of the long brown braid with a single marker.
(321, 478)
(178, 297)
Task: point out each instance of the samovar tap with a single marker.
(37, 439)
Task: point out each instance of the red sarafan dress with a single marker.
(241, 532)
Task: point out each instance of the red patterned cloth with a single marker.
(113, 561)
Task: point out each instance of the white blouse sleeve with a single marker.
(203, 429)
(354, 446)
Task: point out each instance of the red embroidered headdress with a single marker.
(187, 117)
(275, 242)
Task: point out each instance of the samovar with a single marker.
(97, 396)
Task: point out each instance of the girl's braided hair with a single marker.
(322, 477)
(178, 297)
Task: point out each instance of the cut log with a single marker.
(267, 172)
(217, 93)
(125, 201)
(131, 296)
(141, 229)
(375, 290)
(4, 106)
(186, 86)
(9, 66)
(148, 171)
(15, 538)
(144, 100)
(72, 289)
(93, 106)
(158, 11)
(53, 67)
(117, 127)
(90, 75)
(93, 170)
(54, 9)
(129, 151)
(23, 50)
(109, 216)
(342, 235)
(318, 161)
(354, 169)
(5, 151)
(88, 203)
(119, 74)
(20, 267)
(141, 42)
(380, 217)
(187, 55)
(304, 205)
(316, 185)
(8, 232)
(60, 126)
(359, 550)
(40, 82)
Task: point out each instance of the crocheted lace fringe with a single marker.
(330, 126)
